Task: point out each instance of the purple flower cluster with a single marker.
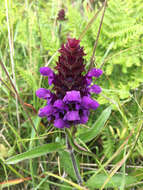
(61, 15)
(70, 102)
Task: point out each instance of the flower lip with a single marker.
(94, 73)
(72, 96)
(46, 71)
(89, 103)
(72, 116)
(43, 93)
(59, 104)
(84, 116)
(45, 111)
(95, 88)
(59, 123)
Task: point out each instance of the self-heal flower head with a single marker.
(70, 101)
(61, 15)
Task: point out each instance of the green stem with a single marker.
(74, 163)
(76, 148)
(59, 33)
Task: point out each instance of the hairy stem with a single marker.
(59, 33)
(76, 170)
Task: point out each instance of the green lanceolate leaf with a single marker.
(35, 152)
(116, 181)
(66, 163)
(97, 126)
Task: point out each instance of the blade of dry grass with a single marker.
(20, 100)
(90, 22)
(12, 63)
(120, 163)
(92, 60)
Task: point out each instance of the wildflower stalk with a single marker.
(69, 102)
(92, 60)
(90, 22)
(82, 151)
(74, 163)
(60, 18)
(59, 32)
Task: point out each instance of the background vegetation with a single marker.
(29, 39)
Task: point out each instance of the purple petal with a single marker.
(50, 80)
(77, 106)
(94, 73)
(43, 93)
(95, 88)
(89, 103)
(59, 123)
(72, 96)
(49, 117)
(45, 111)
(88, 80)
(59, 104)
(58, 114)
(84, 116)
(83, 119)
(72, 116)
(46, 71)
(67, 125)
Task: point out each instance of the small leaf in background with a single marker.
(3, 151)
(66, 164)
(35, 152)
(97, 126)
(116, 181)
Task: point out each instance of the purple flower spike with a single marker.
(70, 102)
(89, 103)
(72, 116)
(61, 15)
(95, 88)
(43, 93)
(46, 71)
(72, 96)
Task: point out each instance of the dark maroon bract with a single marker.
(70, 102)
